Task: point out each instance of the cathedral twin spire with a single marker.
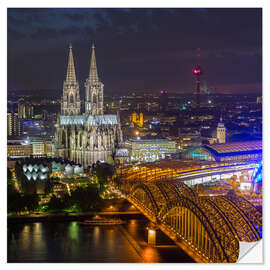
(93, 89)
(71, 76)
(93, 74)
(70, 104)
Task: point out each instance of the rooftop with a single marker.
(91, 120)
(235, 147)
(122, 152)
(165, 169)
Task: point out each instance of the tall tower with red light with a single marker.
(197, 71)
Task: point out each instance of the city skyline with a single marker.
(143, 51)
(134, 135)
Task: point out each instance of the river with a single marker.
(72, 242)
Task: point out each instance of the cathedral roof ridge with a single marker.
(92, 120)
(102, 119)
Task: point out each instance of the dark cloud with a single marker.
(76, 17)
(138, 48)
(15, 21)
(73, 30)
(27, 15)
(44, 33)
(15, 35)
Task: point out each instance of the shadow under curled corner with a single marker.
(251, 252)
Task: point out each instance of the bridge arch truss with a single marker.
(213, 226)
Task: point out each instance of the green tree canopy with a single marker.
(85, 198)
(110, 161)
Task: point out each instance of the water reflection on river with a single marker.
(72, 242)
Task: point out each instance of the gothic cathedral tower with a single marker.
(70, 103)
(93, 89)
(92, 136)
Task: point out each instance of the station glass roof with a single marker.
(235, 147)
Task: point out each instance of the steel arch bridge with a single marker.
(209, 228)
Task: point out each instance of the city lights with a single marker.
(138, 146)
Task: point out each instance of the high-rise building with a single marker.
(221, 132)
(91, 136)
(189, 138)
(163, 101)
(14, 125)
(25, 109)
(21, 110)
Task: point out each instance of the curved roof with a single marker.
(235, 147)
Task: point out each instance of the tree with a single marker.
(56, 203)
(30, 202)
(48, 187)
(85, 198)
(14, 202)
(110, 161)
(103, 171)
(10, 183)
(9, 176)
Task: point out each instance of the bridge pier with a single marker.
(152, 235)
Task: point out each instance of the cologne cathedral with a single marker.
(90, 136)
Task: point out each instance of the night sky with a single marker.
(137, 49)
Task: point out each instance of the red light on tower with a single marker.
(197, 70)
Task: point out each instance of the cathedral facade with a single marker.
(89, 136)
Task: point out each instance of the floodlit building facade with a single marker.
(137, 119)
(221, 132)
(43, 168)
(91, 136)
(42, 148)
(142, 150)
(14, 125)
(122, 156)
(16, 150)
(189, 138)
